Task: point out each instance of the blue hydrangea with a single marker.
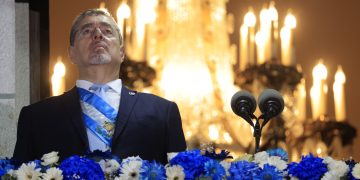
(309, 167)
(269, 173)
(5, 165)
(76, 167)
(278, 152)
(191, 161)
(214, 169)
(152, 171)
(243, 170)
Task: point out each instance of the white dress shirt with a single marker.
(113, 99)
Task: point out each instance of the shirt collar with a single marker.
(115, 85)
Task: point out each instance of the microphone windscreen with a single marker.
(270, 94)
(243, 96)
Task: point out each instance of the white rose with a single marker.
(50, 158)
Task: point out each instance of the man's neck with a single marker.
(99, 74)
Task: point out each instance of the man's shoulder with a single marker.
(49, 102)
(153, 97)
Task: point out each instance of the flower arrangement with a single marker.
(192, 164)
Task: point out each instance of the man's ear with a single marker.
(122, 53)
(72, 54)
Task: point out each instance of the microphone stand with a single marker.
(258, 128)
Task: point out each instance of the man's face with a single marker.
(96, 42)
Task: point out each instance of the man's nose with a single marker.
(97, 34)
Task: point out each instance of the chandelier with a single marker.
(180, 50)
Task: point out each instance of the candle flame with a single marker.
(213, 132)
(340, 76)
(59, 68)
(123, 12)
(273, 12)
(320, 71)
(290, 21)
(250, 19)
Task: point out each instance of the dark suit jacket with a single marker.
(147, 125)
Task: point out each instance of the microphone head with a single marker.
(271, 100)
(243, 99)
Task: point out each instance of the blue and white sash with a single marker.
(98, 115)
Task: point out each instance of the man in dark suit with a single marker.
(99, 113)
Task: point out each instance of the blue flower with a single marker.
(269, 173)
(5, 166)
(243, 170)
(214, 169)
(278, 152)
(309, 167)
(220, 156)
(152, 171)
(76, 167)
(351, 164)
(191, 161)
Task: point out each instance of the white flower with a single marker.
(53, 174)
(277, 162)
(50, 158)
(338, 168)
(109, 166)
(171, 155)
(330, 175)
(226, 166)
(261, 157)
(28, 172)
(175, 172)
(131, 158)
(356, 171)
(131, 170)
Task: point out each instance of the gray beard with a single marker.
(100, 59)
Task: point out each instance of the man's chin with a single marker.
(100, 59)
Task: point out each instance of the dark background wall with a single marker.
(327, 29)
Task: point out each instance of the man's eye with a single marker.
(85, 31)
(108, 31)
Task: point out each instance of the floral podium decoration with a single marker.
(193, 164)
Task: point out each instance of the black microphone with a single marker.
(271, 104)
(244, 104)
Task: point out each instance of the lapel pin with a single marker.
(132, 93)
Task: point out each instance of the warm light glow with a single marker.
(264, 15)
(319, 72)
(250, 19)
(102, 6)
(318, 151)
(273, 12)
(58, 78)
(123, 12)
(340, 76)
(228, 138)
(290, 21)
(339, 95)
(213, 132)
(260, 41)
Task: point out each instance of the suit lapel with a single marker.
(127, 101)
(71, 103)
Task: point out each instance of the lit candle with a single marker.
(274, 29)
(122, 13)
(243, 47)
(287, 38)
(339, 95)
(58, 78)
(260, 41)
(318, 91)
(301, 103)
(247, 42)
(265, 29)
